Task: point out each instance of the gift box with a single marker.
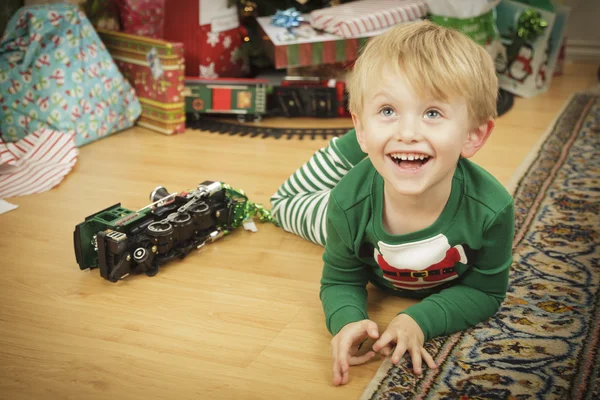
(55, 73)
(475, 19)
(305, 46)
(155, 69)
(211, 36)
(526, 67)
(142, 17)
(359, 17)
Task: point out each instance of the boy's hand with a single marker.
(408, 336)
(344, 347)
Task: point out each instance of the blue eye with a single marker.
(387, 111)
(432, 114)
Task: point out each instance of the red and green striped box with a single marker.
(329, 51)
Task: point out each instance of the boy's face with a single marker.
(415, 142)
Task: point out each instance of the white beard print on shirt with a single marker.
(419, 265)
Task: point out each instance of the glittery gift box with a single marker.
(155, 68)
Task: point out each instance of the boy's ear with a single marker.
(476, 138)
(360, 133)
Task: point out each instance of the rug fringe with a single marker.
(374, 384)
(514, 180)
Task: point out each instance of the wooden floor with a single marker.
(239, 320)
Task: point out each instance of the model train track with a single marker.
(250, 129)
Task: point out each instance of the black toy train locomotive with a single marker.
(120, 241)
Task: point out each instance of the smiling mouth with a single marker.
(410, 161)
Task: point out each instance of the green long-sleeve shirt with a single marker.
(459, 265)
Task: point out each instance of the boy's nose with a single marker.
(408, 131)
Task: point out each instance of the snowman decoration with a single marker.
(498, 53)
(520, 68)
(540, 77)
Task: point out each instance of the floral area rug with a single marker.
(544, 342)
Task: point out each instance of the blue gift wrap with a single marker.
(56, 73)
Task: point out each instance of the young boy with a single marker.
(416, 217)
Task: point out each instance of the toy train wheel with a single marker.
(258, 118)
(160, 228)
(241, 118)
(181, 218)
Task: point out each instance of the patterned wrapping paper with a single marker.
(359, 17)
(142, 17)
(155, 68)
(101, 13)
(211, 37)
(56, 73)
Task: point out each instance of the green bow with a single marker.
(530, 25)
(243, 209)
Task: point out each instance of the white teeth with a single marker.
(409, 156)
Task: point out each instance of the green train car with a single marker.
(245, 97)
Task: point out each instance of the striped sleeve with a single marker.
(300, 203)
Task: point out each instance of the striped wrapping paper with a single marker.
(322, 48)
(358, 17)
(36, 163)
(315, 53)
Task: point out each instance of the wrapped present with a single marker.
(532, 38)
(56, 73)
(211, 36)
(36, 163)
(142, 17)
(101, 13)
(304, 46)
(475, 19)
(155, 68)
(359, 17)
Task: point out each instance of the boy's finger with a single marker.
(372, 329)
(343, 351)
(337, 370)
(345, 377)
(382, 342)
(337, 374)
(398, 352)
(386, 351)
(362, 359)
(415, 355)
(343, 364)
(428, 359)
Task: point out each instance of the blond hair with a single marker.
(436, 61)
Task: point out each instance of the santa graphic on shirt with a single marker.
(420, 265)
